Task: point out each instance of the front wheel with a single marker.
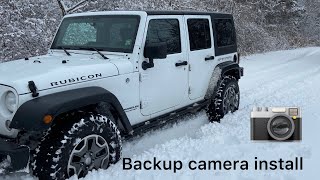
(93, 142)
(226, 99)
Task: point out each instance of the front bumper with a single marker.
(18, 154)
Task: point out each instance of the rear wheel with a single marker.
(93, 142)
(225, 100)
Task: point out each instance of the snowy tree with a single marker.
(28, 26)
(311, 24)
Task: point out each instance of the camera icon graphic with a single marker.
(276, 123)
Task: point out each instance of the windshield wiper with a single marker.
(94, 49)
(102, 55)
(64, 49)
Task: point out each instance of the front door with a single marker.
(165, 85)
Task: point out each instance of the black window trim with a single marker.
(157, 17)
(211, 32)
(233, 32)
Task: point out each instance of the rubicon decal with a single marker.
(131, 108)
(77, 79)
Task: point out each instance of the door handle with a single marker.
(183, 63)
(209, 58)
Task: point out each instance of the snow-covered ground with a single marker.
(284, 78)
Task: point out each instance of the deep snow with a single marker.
(284, 78)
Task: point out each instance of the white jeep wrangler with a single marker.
(109, 76)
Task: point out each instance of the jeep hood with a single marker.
(49, 71)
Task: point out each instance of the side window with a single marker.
(199, 34)
(165, 30)
(225, 32)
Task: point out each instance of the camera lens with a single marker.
(280, 127)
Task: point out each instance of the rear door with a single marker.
(200, 53)
(165, 86)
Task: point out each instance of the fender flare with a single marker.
(231, 68)
(221, 70)
(29, 116)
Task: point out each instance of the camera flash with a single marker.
(293, 112)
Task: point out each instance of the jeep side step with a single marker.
(163, 120)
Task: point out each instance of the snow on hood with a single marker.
(48, 71)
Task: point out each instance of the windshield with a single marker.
(115, 33)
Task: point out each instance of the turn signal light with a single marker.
(47, 119)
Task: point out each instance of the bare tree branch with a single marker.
(77, 6)
(65, 10)
(62, 7)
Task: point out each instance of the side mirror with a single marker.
(154, 51)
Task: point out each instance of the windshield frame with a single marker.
(55, 46)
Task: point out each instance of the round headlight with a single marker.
(11, 101)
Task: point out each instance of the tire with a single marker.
(68, 149)
(226, 99)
